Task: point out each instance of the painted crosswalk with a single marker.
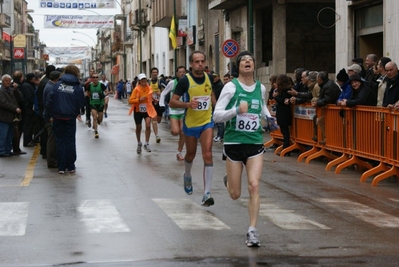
(188, 215)
(101, 216)
(288, 219)
(363, 212)
(13, 218)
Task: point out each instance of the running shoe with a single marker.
(147, 147)
(96, 135)
(158, 139)
(88, 123)
(188, 186)
(105, 115)
(252, 239)
(217, 139)
(207, 200)
(72, 171)
(61, 172)
(225, 180)
(179, 156)
(139, 148)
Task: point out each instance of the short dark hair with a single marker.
(191, 57)
(49, 69)
(323, 75)
(154, 68)
(180, 67)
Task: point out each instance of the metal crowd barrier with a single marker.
(364, 136)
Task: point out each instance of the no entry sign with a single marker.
(230, 48)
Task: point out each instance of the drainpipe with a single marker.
(174, 50)
(251, 27)
(140, 40)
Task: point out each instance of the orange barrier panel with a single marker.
(362, 135)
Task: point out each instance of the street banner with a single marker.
(78, 21)
(306, 113)
(68, 55)
(74, 4)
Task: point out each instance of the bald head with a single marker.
(391, 69)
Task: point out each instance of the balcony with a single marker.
(5, 21)
(31, 54)
(226, 4)
(162, 12)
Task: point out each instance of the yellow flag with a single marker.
(172, 33)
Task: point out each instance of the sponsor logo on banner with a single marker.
(78, 21)
(306, 113)
(73, 4)
(19, 53)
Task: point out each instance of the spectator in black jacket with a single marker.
(391, 95)
(18, 124)
(39, 95)
(8, 109)
(329, 93)
(28, 94)
(361, 93)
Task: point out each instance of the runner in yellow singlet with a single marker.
(197, 122)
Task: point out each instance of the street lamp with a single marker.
(81, 41)
(94, 42)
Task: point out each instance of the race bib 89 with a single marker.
(204, 102)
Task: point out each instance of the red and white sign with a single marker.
(230, 48)
(19, 53)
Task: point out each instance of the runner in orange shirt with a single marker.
(141, 100)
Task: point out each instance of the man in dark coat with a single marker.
(39, 95)
(28, 94)
(391, 95)
(8, 109)
(329, 93)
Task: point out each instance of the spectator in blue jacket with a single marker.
(64, 103)
(343, 82)
(120, 88)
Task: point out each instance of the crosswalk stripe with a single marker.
(288, 219)
(13, 218)
(363, 212)
(101, 216)
(188, 215)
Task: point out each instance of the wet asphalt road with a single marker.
(124, 209)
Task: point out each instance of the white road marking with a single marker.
(288, 219)
(101, 216)
(13, 218)
(363, 212)
(188, 215)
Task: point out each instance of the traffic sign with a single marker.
(230, 48)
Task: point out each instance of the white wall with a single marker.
(161, 50)
(391, 36)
